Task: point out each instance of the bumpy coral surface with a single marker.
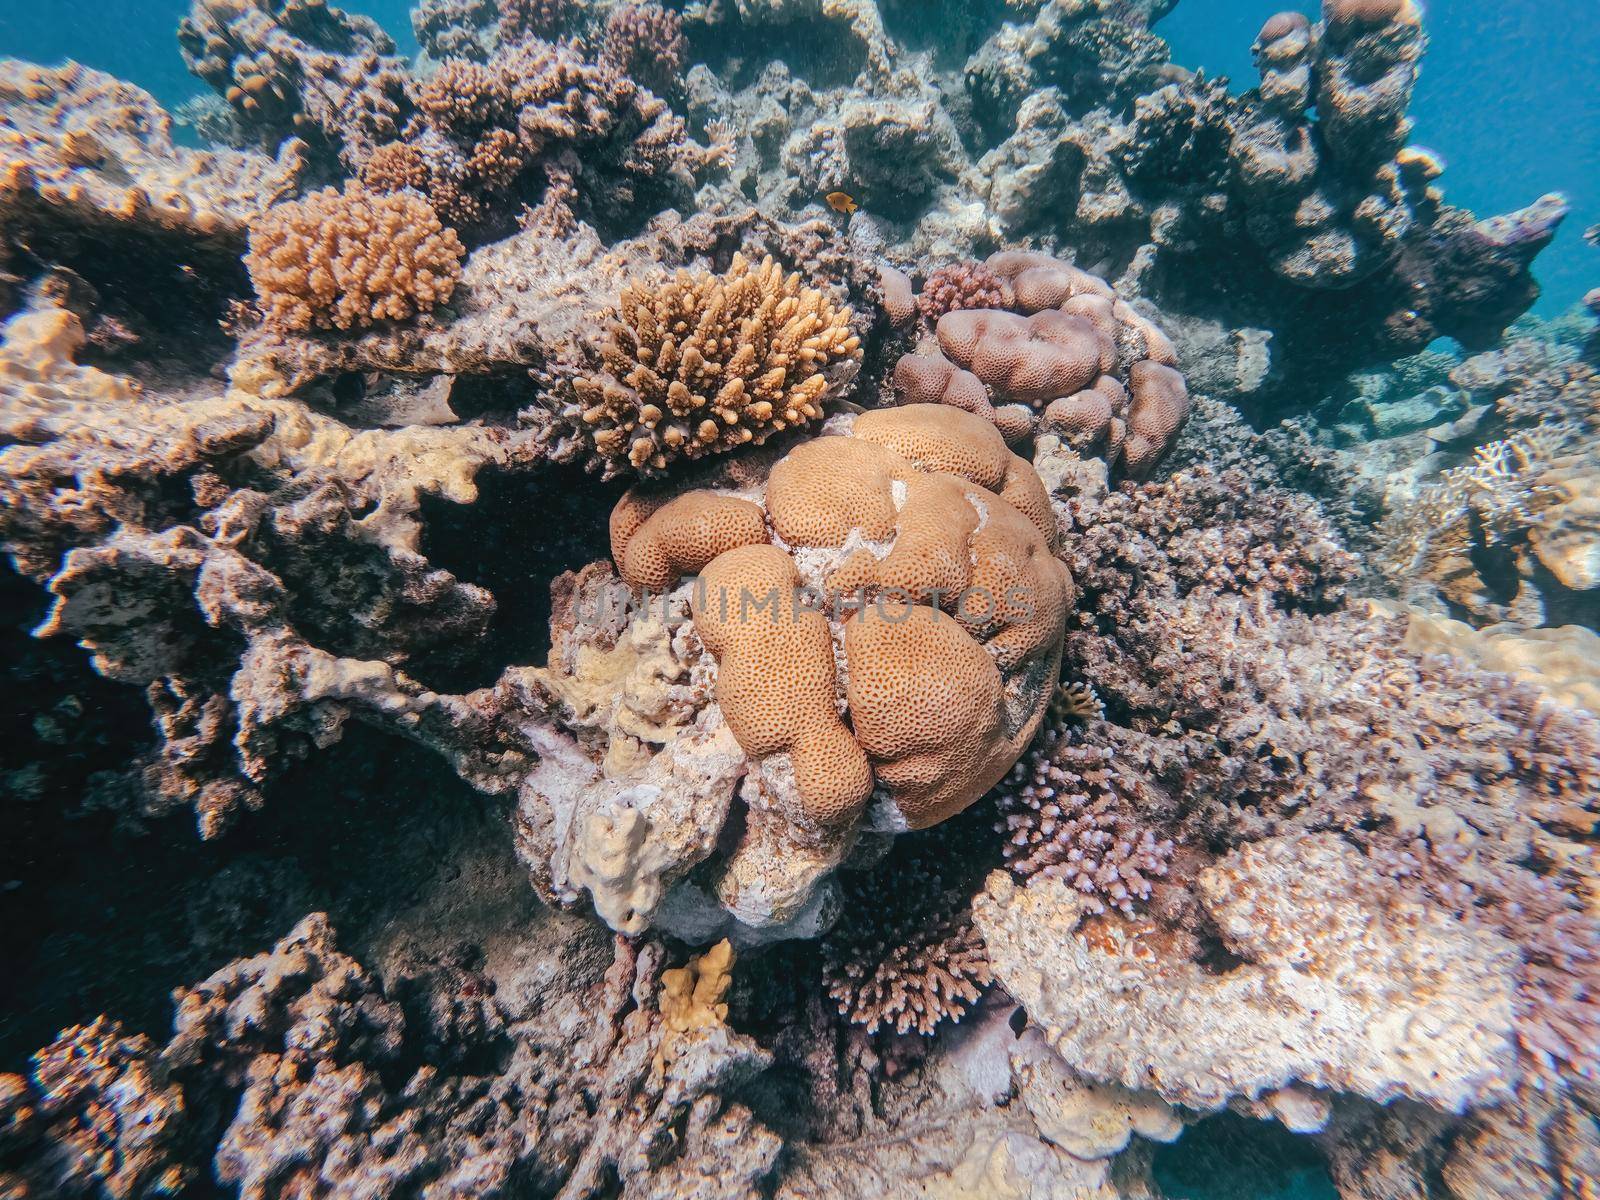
(1030, 334)
(700, 363)
(939, 538)
(965, 756)
(347, 259)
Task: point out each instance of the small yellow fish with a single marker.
(841, 202)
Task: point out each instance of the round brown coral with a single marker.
(703, 363)
(347, 259)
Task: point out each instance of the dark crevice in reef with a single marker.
(104, 919)
(519, 536)
(1229, 1157)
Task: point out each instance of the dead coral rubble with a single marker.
(293, 1071)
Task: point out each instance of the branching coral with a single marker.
(488, 135)
(299, 68)
(346, 259)
(702, 363)
(904, 954)
(646, 42)
(1068, 812)
(961, 285)
(520, 19)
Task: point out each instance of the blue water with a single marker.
(1508, 95)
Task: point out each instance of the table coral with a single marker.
(702, 363)
(345, 259)
(1345, 986)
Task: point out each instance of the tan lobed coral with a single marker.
(345, 259)
(939, 538)
(701, 363)
(1058, 342)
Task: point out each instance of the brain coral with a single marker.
(346, 259)
(893, 627)
(701, 363)
(1056, 340)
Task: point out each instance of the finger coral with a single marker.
(701, 363)
(347, 259)
(646, 41)
(1069, 813)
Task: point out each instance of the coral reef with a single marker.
(904, 954)
(489, 137)
(1102, 375)
(1307, 923)
(759, 726)
(299, 68)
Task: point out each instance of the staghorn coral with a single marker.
(1069, 813)
(904, 954)
(299, 68)
(701, 363)
(346, 259)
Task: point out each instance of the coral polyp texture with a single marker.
(700, 363)
(789, 600)
(937, 540)
(348, 259)
(1031, 342)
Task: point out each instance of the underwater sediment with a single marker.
(788, 598)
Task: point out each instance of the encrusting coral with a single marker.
(347, 259)
(700, 363)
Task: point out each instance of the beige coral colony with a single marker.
(788, 600)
